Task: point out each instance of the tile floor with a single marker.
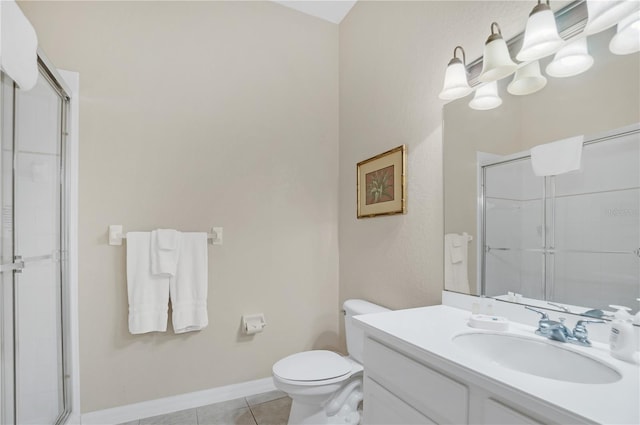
(270, 408)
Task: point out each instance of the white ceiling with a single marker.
(329, 10)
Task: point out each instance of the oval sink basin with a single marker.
(536, 357)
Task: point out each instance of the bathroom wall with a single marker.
(392, 61)
(200, 114)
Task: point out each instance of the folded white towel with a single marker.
(190, 284)
(164, 251)
(558, 157)
(18, 46)
(148, 294)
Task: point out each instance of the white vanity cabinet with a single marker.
(399, 389)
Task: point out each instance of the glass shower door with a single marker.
(38, 296)
(33, 362)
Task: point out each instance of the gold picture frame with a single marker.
(381, 185)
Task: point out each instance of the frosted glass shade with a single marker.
(527, 80)
(604, 14)
(496, 62)
(456, 84)
(540, 36)
(572, 59)
(486, 97)
(627, 38)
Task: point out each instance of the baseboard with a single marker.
(161, 406)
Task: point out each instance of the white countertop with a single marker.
(429, 330)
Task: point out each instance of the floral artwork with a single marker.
(381, 188)
(380, 185)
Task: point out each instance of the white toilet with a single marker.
(326, 388)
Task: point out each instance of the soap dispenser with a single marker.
(621, 339)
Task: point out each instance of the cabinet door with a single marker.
(496, 413)
(383, 408)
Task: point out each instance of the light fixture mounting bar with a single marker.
(570, 20)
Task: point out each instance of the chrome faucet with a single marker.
(557, 331)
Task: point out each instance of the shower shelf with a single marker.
(635, 252)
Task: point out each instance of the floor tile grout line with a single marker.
(255, 421)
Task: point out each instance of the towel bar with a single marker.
(116, 235)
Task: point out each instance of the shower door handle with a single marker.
(17, 265)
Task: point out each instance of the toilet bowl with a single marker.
(326, 388)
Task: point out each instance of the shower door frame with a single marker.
(68, 288)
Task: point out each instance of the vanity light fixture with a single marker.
(627, 38)
(486, 97)
(456, 84)
(496, 63)
(603, 14)
(541, 36)
(572, 59)
(527, 80)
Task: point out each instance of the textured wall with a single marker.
(195, 114)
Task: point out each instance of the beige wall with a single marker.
(194, 115)
(392, 61)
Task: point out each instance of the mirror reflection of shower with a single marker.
(572, 238)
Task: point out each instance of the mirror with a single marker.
(596, 215)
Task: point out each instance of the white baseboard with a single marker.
(161, 406)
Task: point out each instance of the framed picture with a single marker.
(381, 188)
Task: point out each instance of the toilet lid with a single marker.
(316, 365)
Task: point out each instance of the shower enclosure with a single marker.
(572, 238)
(34, 361)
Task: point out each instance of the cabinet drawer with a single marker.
(383, 408)
(432, 393)
(497, 413)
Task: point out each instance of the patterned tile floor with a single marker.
(270, 408)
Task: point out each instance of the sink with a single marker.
(536, 357)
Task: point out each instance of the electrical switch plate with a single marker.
(217, 232)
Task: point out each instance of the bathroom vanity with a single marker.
(425, 366)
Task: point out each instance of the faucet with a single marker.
(550, 328)
(557, 331)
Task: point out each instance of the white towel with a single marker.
(189, 286)
(558, 157)
(165, 251)
(455, 264)
(18, 46)
(148, 294)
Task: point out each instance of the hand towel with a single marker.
(164, 251)
(558, 157)
(148, 294)
(18, 46)
(190, 284)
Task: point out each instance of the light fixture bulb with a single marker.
(486, 97)
(572, 59)
(496, 62)
(627, 38)
(456, 84)
(604, 14)
(541, 36)
(527, 80)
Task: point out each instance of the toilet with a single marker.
(326, 388)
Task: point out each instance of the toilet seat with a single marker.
(312, 367)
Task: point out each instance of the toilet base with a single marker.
(334, 404)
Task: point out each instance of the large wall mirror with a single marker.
(572, 239)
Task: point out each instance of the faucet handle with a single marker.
(582, 323)
(544, 316)
(580, 332)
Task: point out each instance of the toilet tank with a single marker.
(355, 335)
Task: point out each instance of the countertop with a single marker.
(429, 331)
